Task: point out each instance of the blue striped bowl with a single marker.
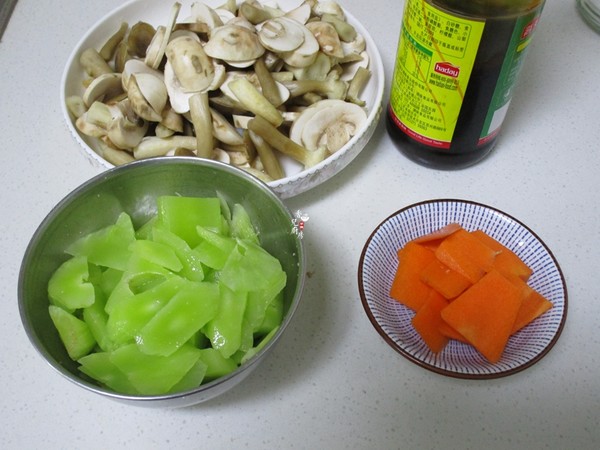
(377, 267)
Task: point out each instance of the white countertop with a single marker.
(332, 382)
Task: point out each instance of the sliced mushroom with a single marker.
(328, 7)
(192, 66)
(75, 106)
(234, 43)
(201, 12)
(300, 13)
(108, 49)
(318, 70)
(137, 66)
(304, 55)
(93, 64)
(139, 39)
(148, 96)
(255, 12)
(281, 34)
(329, 124)
(125, 134)
(177, 97)
(104, 86)
(158, 45)
(328, 38)
(351, 68)
(345, 31)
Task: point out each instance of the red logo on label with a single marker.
(529, 28)
(445, 68)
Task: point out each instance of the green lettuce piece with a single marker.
(225, 330)
(107, 247)
(189, 309)
(99, 367)
(69, 286)
(74, 332)
(154, 374)
(181, 215)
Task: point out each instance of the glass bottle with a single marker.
(456, 66)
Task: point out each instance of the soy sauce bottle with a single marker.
(456, 66)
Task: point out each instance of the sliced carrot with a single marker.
(451, 333)
(427, 320)
(485, 314)
(433, 239)
(444, 280)
(407, 287)
(533, 306)
(466, 254)
(506, 261)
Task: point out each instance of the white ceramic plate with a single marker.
(378, 264)
(156, 13)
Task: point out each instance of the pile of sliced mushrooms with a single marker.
(241, 84)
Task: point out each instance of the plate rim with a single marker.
(446, 372)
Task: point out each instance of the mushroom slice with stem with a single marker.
(281, 34)
(329, 124)
(148, 96)
(192, 66)
(137, 66)
(254, 101)
(285, 145)
(234, 43)
(327, 37)
(126, 134)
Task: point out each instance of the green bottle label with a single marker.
(515, 55)
(435, 58)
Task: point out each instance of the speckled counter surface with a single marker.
(332, 382)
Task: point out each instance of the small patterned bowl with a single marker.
(378, 263)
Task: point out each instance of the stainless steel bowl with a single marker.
(133, 188)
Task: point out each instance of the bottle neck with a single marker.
(488, 8)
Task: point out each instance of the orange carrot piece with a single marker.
(427, 320)
(407, 287)
(450, 332)
(533, 306)
(506, 261)
(466, 254)
(444, 280)
(433, 239)
(485, 314)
